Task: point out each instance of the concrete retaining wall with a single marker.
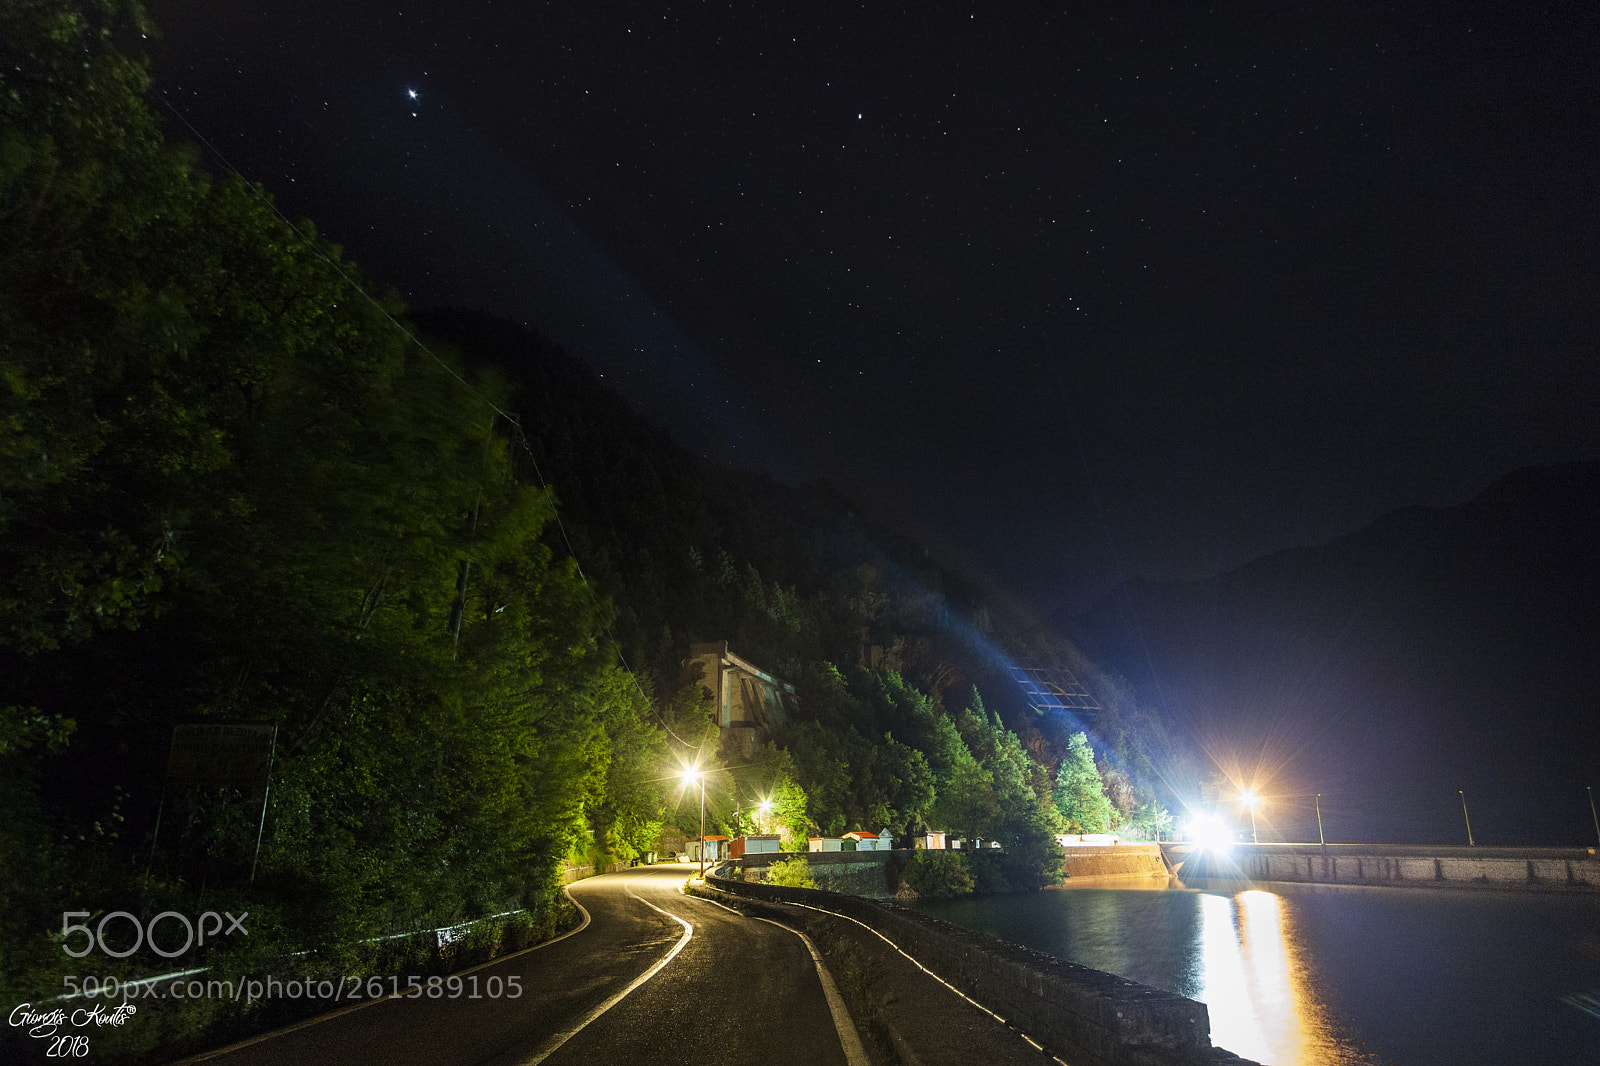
(1537, 869)
(852, 873)
(1083, 1015)
(861, 873)
(1123, 860)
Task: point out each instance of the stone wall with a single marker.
(851, 873)
(1084, 1016)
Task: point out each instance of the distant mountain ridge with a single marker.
(1435, 649)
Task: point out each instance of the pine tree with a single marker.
(1080, 793)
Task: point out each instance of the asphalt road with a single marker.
(656, 976)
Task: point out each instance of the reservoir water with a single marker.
(1337, 975)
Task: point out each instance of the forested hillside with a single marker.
(801, 581)
(235, 488)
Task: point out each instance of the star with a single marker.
(411, 93)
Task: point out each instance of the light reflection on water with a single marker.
(1338, 975)
(1250, 974)
(1236, 950)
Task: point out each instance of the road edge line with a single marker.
(855, 1052)
(554, 1043)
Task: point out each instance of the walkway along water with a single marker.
(1082, 1016)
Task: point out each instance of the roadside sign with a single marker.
(221, 755)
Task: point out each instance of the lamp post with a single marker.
(1320, 839)
(692, 775)
(1250, 800)
(1590, 789)
(1467, 817)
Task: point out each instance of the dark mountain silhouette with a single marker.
(688, 550)
(1434, 650)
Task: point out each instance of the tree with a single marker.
(231, 488)
(966, 802)
(1153, 820)
(1080, 795)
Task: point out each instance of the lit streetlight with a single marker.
(1251, 800)
(690, 776)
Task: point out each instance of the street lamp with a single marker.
(1320, 839)
(1592, 814)
(1250, 799)
(690, 776)
(1463, 794)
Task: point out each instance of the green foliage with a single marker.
(966, 803)
(789, 812)
(938, 874)
(1152, 821)
(791, 873)
(231, 489)
(770, 778)
(1080, 794)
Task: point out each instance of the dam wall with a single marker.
(1525, 869)
(1121, 860)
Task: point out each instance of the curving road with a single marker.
(654, 977)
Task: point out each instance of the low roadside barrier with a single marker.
(1083, 1015)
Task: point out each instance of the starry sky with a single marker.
(1070, 292)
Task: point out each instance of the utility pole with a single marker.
(459, 608)
(1320, 839)
(1463, 794)
(1590, 789)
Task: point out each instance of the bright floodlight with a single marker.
(691, 774)
(1249, 799)
(1212, 833)
(766, 805)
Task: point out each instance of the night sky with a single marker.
(1070, 294)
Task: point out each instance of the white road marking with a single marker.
(924, 969)
(549, 1046)
(849, 1039)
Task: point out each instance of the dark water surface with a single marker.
(1339, 974)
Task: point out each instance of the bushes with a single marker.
(791, 873)
(938, 874)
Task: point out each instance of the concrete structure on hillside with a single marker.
(744, 698)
